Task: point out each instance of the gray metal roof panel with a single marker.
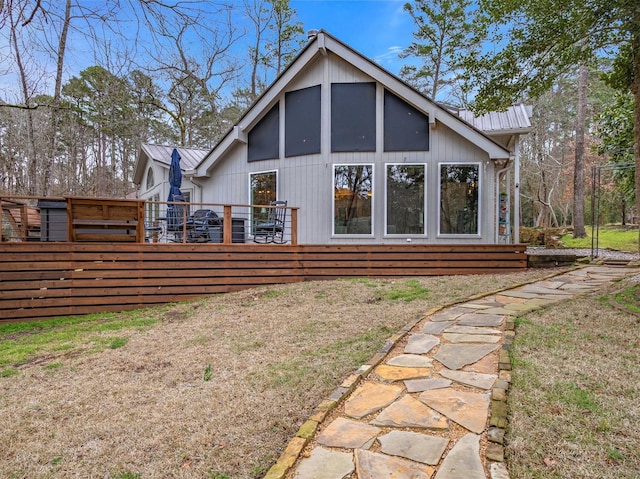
(189, 157)
(515, 118)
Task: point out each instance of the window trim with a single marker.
(478, 164)
(150, 177)
(424, 234)
(250, 192)
(333, 202)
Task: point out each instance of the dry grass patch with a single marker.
(574, 399)
(209, 389)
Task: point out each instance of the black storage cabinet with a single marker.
(237, 230)
(53, 220)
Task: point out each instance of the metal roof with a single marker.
(516, 119)
(189, 157)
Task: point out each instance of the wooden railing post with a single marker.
(71, 232)
(294, 225)
(227, 225)
(140, 233)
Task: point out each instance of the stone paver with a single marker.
(411, 360)
(348, 434)
(463, 461)
(419, 385)
(455, 356)
(371, 465)
(325, 464)
(409, 391)
(470, 378)
(371, 397)
(537, 289)
(421, 343)
(468, 409)
(472, 330)
(400, 373)
(433, 327)
(414, 446)
(498, 470)
(409, 412)
(481, 318)
(471, 338)
(448, 314)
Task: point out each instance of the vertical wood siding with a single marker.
(307, 181)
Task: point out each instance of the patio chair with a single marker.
(272, 230)
(202, 225)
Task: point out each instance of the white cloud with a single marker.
(389, 57)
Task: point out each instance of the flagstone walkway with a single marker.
(432, 403)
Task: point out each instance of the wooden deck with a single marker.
(41, 280)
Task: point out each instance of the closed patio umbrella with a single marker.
(175, 181)
(175, 176)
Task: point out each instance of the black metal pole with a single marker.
(593, 202)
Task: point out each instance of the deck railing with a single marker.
(81, 219)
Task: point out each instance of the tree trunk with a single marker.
(32, 168)
(55, 112)
(578, 170)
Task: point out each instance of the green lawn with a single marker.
(618, 239)
(23, 342)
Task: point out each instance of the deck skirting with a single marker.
(42, 280)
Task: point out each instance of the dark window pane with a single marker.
(352, 193)
(405, 199)
(264, 138)
(353, 117)
(459, 199)
(302, 122)
(405, 128)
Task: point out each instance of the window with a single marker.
(302, 122)
(352, 199)
(152, 206)
(405, 199)
(150, 180)
(353, 117)
(405, 128)
(264, 137)
(459, 194)
(263, 190)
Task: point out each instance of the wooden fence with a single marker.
(40, 280)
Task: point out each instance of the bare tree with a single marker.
(260, 16)
(32, 151)
(39, 35)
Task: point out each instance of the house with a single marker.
(365, 157)
(151, 174)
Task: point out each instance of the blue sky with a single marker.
(379, 29)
